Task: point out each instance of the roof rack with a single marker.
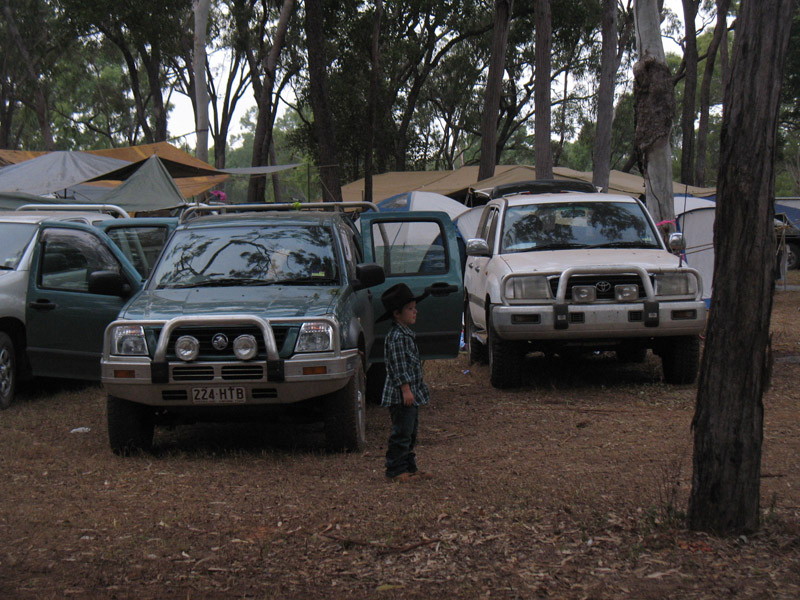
(111, 209)
(192, 211)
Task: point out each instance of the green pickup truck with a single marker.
(263, 313)
(55, 302)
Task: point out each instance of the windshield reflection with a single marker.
(253, 255)
(576, 225)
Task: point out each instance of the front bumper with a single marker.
(566, 320)
(175, 383)
(598, 321)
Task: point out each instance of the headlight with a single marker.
(128, 340)
(531, 287)
(187, 348)
(675, 284)
(315, 337)
(245, 347)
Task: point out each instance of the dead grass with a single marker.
(573, 486)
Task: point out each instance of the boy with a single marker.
(404, 390)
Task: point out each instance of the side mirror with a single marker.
(677, 243)
(368, 275)
(478, 247)
(109, 283)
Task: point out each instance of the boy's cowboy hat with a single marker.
(396, 297)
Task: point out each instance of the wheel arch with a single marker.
(15, 329)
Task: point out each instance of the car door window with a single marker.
(491, 228)
(69, 257)
(409, 247)
(140, 244)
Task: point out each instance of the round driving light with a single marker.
(187, 348)
(245, 347)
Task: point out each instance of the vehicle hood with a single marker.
(558, 260)
(266, 302)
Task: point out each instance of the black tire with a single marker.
(505, 361)
(632, 354)
(8, 371)
(376, 378)
(130, 426)
(792, 256)
(680, 359)
(345, 415)
(476, 351)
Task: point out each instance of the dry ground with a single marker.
(574, 486)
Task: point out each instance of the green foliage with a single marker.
(300, 183)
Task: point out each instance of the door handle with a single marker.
(42, 304)
(441, 289)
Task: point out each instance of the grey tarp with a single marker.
(55, 171)
(13, 200)
(150, 187)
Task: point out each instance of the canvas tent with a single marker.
(422, 201)
(695, 219)
(458, 183)
(150, 187)
(54, 171)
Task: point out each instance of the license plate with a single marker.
(219, 395)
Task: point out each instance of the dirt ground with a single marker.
(574, 486)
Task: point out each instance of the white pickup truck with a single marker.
(568, 272)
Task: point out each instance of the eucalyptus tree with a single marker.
(200, 10)
(541, 95)
(720, 36)
(494, 84)
(33, 41)
(688, 110)
(147, 34)
(735, 368)
(601, 163)
(655, 103)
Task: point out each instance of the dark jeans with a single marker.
(400, 457)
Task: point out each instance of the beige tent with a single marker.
(458, 183)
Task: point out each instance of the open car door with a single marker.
(420, 249)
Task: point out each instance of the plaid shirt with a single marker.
(403, 365)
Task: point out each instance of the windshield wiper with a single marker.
(6, 268)
(559, 246)
(222, 282)
(625, 245)
(302, 281)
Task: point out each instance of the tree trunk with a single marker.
(543, 148)
(200, 9)
(735, 369)
(494, 88)
(372, 106)
(327, 153)
(601, 161)
(689, 91)
(152, 65)
(705, 91)
(262, 138)
(41, 104)
(276, 180)
(654, 110)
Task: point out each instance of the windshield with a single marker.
(555, 226)
(16, 237)
(248, 255)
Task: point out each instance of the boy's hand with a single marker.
(408, 395)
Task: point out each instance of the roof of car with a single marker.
(263, 218)
(560, 198)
